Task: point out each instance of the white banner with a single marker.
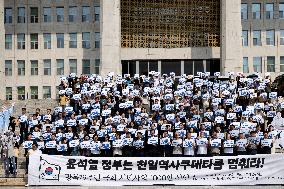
(119, 171)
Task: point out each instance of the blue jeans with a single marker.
(7, 162)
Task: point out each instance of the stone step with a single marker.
(13, 181)
(22, 175)
(19, 159)
(18, 167)
(19, 171)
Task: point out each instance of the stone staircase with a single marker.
(30, 105)
(21, 178)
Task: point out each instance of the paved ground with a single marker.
(159, 187)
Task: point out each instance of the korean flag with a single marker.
(48, 171)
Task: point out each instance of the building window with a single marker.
(256, 14)
(257, 64)
(97, 66)
(8, 68)
(60, 40)
(8, 16)
(47, 14)
(97, 13)
(34, 41)
(256, 38)
(86, 67)
(9, 93)
(21, 41)
(34, 14)
(97, 39)
(73, 40)
(21, 67)
(245, 65)
(281, 37)
(281, 10)
(281, 63)
(86, 40)
(34, 67)
(46, 90)
(21, 15)
(8, 41)
(72, 14)
(269, 10)
(244, 11)
(47, 67)
(73, 65)
(21, 92)
(86, 17)
(270, 37)
(60, 14)
(60, 66)
(47, 40)
(270, 64)
(245, 38)
(34, 92)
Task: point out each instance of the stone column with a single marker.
(111, 34)
(231, 36)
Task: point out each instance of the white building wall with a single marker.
(111, 37)
(175, 53)
(231, 43)
(54, 53)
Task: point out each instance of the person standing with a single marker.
(5, 118)
(8, 154)
(32, 151)
(23, 125)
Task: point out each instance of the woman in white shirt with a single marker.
(95, 142)
(228, 151)
(177, 149)
(190, 150)
(117, 151)
(202, 145)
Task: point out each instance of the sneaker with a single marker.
(27, 185)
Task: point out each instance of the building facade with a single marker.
(46, 39)
(263, 36)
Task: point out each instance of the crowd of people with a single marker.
(155, 115)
